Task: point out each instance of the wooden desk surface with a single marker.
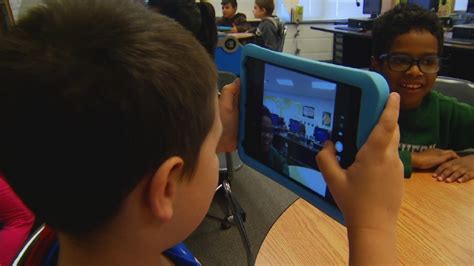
(435, 226)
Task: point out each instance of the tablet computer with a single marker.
(290, 106)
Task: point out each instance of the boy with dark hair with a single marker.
(407, 44)
(198, 18)
(267, 152)
(269, 33)
(110, 126)
(97, 111)
(230, 17)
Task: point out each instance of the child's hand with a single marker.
(234, 29)
(459, 170)
(431, 158)
(369, 192)
(229, 112)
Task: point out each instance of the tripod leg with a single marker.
(238, 220)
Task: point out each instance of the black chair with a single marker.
(460, 89)
(283, 32)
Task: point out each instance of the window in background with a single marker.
(321, 9)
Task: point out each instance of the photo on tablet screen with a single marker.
(293, 114)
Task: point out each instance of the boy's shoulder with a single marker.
(272, 23)
(446, 101)
(446, 108)
(271, 19)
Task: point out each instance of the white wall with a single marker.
(15, 6)
(20, 7)
(313, 44)
(293, 109)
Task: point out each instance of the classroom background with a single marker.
(301, 38)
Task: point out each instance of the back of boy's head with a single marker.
(185, 12)
(269, 6)
(402, 19)
(95, 96)
(233, 3)
(198, 18)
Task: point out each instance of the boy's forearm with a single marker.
(372, 247)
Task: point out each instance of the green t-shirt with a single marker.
(439, 122)
(276, 161)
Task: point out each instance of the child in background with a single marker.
(111, 139)
(407, 45)
(269, 33)
(269, 154)
(230, 17)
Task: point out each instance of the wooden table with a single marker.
(435, 226)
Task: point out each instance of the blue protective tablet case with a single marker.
(374, 94)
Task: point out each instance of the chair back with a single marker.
(460, 89)
(283, 32)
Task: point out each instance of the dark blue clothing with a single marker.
(179, 255)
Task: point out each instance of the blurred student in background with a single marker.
(231, 18)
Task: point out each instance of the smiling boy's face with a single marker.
(412, 85)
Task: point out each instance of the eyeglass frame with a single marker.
(413, 61)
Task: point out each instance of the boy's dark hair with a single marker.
(207, 34)
(95, 96)
(185, 12)
(400, 20)
(233, 3)
(198, 18)
(269, 6)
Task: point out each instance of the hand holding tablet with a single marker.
(290, 106)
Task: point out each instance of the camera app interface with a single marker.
(296, 114)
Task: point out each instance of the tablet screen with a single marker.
(291, 114)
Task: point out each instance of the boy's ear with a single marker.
(163, 186)
(375, 65)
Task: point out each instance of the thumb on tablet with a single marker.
(329, 166)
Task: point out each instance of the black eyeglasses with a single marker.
(401, 63)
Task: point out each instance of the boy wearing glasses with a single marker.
(407, 43)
